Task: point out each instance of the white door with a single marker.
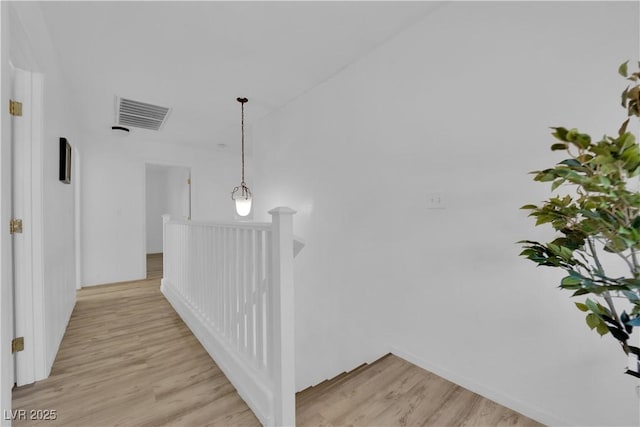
(168, 191)
(27, 245)
(178, 191)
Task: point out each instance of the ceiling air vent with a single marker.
(140, 114)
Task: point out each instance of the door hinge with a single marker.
(189, 181)
(15, 226)
(15, 108)
(17, 344)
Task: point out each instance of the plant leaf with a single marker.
(622, 69)
(560, 133)
(592, 320)
(602, 329)
(570, 162)
(592, 306)
(581, 306)
(570, 280)
(618, 333)
(623, 127)
(631, 296)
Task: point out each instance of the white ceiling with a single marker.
(198, 57)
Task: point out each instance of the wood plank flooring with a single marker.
(154, 266)
(127, 359)
(394, 392)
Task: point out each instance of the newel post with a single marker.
(165, 219)
(283, 353)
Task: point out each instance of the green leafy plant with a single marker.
(598, 212)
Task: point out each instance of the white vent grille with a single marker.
(140, 114)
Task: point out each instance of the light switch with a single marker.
(435, 200)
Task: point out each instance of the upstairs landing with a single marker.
(127, 359)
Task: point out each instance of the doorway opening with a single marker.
(168, 191)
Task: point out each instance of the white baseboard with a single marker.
(251, 387)
(498, 397)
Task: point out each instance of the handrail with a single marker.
(298, 242)
(232, 284)
(243, 224)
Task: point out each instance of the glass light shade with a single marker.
(243, 205)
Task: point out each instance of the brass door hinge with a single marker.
(15, 108)
(15, 226)
(17, 344)
(189, 181)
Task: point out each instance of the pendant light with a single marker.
(241, 194)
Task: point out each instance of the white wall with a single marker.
(167, 192)
(6, 289)
(113, 199)
(460, 103)
(30, 48)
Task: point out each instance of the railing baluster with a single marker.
(184, 236)
(204, 259)
(242, 274)
(186, 254)
(259, 301)
(250, 291)
(268, 313)
(206, 273)
(215, 276)
(204, 262)
(234, 288)
(196, 287)
(229, 254)
(181, 265)
(220, 276)
(225, 281)
(196, 267)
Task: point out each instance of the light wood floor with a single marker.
(127, 359)
(154, 266)
(394, 392)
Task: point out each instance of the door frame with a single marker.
(78, 213)
(143, 266)
(28, 248)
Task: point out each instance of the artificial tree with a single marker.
(600, 212)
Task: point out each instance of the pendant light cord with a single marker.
(242, 124)
(242, 188)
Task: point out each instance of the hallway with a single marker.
(127, 359)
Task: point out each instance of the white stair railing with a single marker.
(232, 284)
